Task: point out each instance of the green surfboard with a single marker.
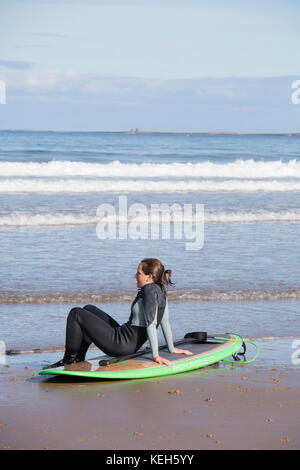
(205, 353)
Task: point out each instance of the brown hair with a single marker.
(160, 275)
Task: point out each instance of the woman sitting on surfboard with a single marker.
(149, 310)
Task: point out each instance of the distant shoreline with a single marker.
(134, 132)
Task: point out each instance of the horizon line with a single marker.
(137, 131)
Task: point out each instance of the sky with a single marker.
(168, 65)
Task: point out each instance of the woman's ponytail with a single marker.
(167, 275)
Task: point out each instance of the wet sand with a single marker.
(225, 406)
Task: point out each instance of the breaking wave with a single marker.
(181, 295)
(249, 169)
(80, 177)
(144, 186)
(28, 219)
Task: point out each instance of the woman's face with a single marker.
(141, 277)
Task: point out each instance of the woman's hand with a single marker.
(182, 351)
(162, 361)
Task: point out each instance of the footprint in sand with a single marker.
(269, 420)
(285, 439)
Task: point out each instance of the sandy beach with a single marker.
(249, 406)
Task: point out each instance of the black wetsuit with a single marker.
(92, 325)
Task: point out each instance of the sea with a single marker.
(79, 210)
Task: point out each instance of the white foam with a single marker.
(182, 295)
(253, 216)
(13, 185)
(249, 169)
(237, 296)
(271, 338)
(19, 219)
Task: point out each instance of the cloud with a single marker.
(72, 85)
(16, 64)
(50, 35)
(80, 85)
